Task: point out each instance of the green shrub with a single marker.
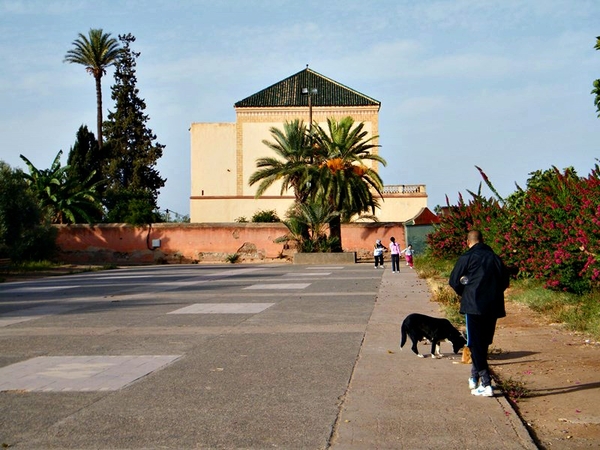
(132, 206)
(233, 258)
(24, 233)
(266, 216)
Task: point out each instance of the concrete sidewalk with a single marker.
(396, 400)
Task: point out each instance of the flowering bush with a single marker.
(479, 213)
(554, 231)
(549, 231)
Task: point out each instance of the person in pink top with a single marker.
(395, 252)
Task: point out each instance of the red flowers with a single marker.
(549, 231)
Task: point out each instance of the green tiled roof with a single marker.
(288, 93)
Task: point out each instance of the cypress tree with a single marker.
(132, 150)
(85, 157)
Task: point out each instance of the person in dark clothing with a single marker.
(480, 278)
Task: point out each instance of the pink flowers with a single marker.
(549, 231)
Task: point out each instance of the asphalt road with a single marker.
(181, 356)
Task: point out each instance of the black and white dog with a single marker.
(420, 326)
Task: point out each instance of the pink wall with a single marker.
(125, 244)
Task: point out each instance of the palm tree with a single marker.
(307, 225)
(65, 199)
(596, 89)
(345, 182)
(96, 52)
(291, 167)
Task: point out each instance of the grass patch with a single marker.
(429, 267)
(578, 312)
(44, 266)
(33, 266)
(437, 272)
(452, 314)
(233, 258)
(93, 268)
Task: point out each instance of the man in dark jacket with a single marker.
(480, 278)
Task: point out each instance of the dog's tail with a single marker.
(403, 340)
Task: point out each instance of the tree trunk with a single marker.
(99, 111)
(335, 230)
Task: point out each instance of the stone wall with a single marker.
(184, 243)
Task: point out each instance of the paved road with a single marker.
(231, 356)
(189, 356)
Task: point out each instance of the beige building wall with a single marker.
(400, 208)
(213, 159)
(254, 124)
(223, 156)
(251, 149)
(230, 209)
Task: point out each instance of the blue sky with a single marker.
(502, 84)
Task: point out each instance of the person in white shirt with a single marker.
(408, 253)
(378, 250)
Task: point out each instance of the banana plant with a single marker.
(63, 198)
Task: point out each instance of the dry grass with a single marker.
(436, 274)
(514, 389)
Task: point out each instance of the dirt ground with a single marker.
(561, 372)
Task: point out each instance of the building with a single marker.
(223, 155)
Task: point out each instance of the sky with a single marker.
(500, 84)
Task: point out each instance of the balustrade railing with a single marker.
(404, 189)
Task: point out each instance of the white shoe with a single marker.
(482, 391)
(473, 383)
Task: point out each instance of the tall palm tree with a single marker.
(596, 89)
(346, 183)
(96, 52)
(292, 164)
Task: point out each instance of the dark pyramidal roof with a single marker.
(288, 93)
